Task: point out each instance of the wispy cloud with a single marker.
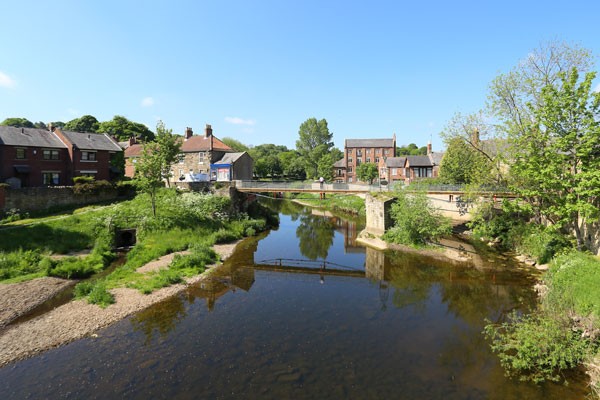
(597, 89)
(147, 102)
(72, 111)
(6, 81)
(239, 121)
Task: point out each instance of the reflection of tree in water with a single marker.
(316, 236)
(161, 318)
(284, 207)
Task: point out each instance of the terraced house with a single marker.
(39, 157)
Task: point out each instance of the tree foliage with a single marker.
(367, 172)
(325, 167)
(235, 144)
(556, 160)
(169, 148)
(314, 141)
(123, 129)
(18, 123)
(411, 150)
(462, 163)
(87, 123)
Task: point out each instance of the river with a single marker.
(300, 312)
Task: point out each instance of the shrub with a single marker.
(89, 187)
(83, 179)
(536, 347)
(83, 289)
(540, 243)
(100, 296)
(225, 236)
(20, 263)
(164, 277)
(415, 221)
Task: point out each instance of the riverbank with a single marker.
(78, 319)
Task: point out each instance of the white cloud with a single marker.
(239, 121)
(597, 90)
(431, 124)
(7, 81)
(72, 111)
(147, 101)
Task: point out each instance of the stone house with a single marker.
(38, 157)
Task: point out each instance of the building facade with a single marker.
(358, 151)
(39, 157)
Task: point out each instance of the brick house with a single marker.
(357, 151)
(339, 171)
(419, 167)
(391, 169)
(39, 157)
(89, 153)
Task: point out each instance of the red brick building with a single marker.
(358, 151)
(38, 157)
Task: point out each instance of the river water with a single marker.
(304, 312)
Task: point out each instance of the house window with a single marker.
(181, 157)
(50, 154)
(50, 178)
(368, 151)
(349, 159)
(382, 171)
(349, 168)
(87, 156)
(181, 172)
(368, 159)
(201, 155)
(386, 152)
(359, 153)
(350, 180)
(376, 159)
(358, 161)
(20, 154)
(394, 171)
(377, 151)
(349, 152)
(340, 172)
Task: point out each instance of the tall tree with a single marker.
(325, 168)
(556, 155)
(315, 140)
(18, 123)
(87, 123)
(235, 144)
(123, 129)
(149, 168)
(367, 172)
(169, 148)
(462, 163)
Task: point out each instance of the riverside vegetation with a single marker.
(185, 221)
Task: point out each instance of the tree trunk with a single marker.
(578, 234)
(152, 195)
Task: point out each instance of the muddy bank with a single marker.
(78, 319)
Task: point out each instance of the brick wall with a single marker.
(42, 198)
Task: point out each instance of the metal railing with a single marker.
(314, 186)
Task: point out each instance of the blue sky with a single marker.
(256, 70)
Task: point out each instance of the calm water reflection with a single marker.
(369, 325)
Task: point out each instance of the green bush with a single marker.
(164, 277)
(540, 243)
(83, 289)
(90, 187)
(537, 347)
(100, 296)
(574, 279)
(21, 262)
(415, 221)
(226, 236)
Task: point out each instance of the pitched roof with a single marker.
(339, 164)
(229, 158)
(395, 162)
(203, 143)
(135, 150)
(436, 157)
(369, 142)
(29, 137)
(91, 141)
(419, 161)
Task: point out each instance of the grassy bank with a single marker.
(341, 203)
(187, 221)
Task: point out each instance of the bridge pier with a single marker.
(378, 213)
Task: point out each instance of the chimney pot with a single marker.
(51, 127)
(208, 131)
(132, 140)
(188, 133)
(429, 147)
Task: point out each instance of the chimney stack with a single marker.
(208, 131)
(429, 147)
(188, 133)
(132, 140)
(51, 127)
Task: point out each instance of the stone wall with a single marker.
(378, 214)
(239, 200)
(41, 198)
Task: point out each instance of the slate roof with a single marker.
(135, 150)
(436, 157)
(395, 162)
(91, 141)
(339, 164)
(29, 137)
(202, 143)
(419, 161)
(369, 142)
(229, 158)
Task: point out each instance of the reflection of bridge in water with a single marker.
(308, 267)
